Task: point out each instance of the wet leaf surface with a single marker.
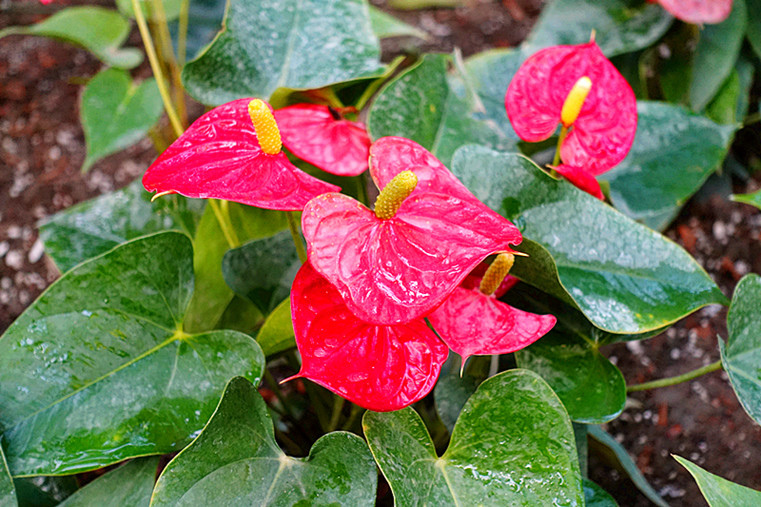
(512, 445)
(741, 356)
(117, 112)
(297, 44)
(236, 461)
(621, 26)
(718, 491)
(7, 490)
(426, 104)
(100, 31)
(674, 152)
(97, 371)
(129, 485)
(624, 277)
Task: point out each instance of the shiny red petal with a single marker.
(581, 179)
(219, 157)
(472, 323)
(393, 271)
(698, 11)
(604, 131)
(380, 368)
(311, 133)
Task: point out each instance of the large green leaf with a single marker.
(715, 55)
(592, 389)
(385, 25)
(100, 31)
(297, 44)
(674, 152)
(753, 199)
(213, 295)
(624, 277)
(116, 113)
(262, 270)
(512, 445)
(720, 492)
(741, 356)
(276, 334)
(621, 26)
(129, 485)
(98, 369)
(236, 461)
(615, 454)
(7, 490)
(94, 227)
(424, 104)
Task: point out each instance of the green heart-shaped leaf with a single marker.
(262, 270)
(753, 199)
(595, 496)
(385, 25)
(276, 334)
(236, 461)
(741, 356)
(130, 484)
(100, 31)
(512, 445)
(716, 54)
(116, 113)
(718, 491)
(624, 277)
(98, 369)
(94, 227)
(298, 44)
(674, 152)
(620, 26)
(427, 105)
(7, 490)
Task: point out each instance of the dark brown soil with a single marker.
(42, 148)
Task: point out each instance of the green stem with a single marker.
(338, 405)
(355, 411)
(156, 68)
(671, 381)
(561, 138)
(279, 394)
(182, 38)
(222, 213)
(293, 226)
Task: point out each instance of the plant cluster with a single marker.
(511, 216)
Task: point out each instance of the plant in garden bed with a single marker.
(470, 246)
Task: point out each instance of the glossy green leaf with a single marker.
(7, 490)
(129, 485)
(423, 104)
(674, 152)
(297, 44)
(753, 31)
(741, 356)
(385, 25)
(595, 496)
(624, 277)
(512, 445)
(731, 103)
(262, 270)
(213, 295)
(753, 199)
(592, 389)
(617, 456)
(236, 461)
(100, 31)
(720, 492)
(276, 334)
(621, 26)
(453, 390)
(97, 370)
(116, 113)
(715, 55)
(171, 9)
(94, 227)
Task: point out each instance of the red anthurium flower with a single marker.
(381, 368)
(224, 155)
(401, 261)
(698, 12)
(472, 321)
(581, 179)
(322, 137)
(579, 88)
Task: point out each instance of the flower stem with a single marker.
(561, 138)
(222, 213)
(156, 68)
(182, 37)
(671, 381)
(293, 226)
(338, 405)
(356, 410)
